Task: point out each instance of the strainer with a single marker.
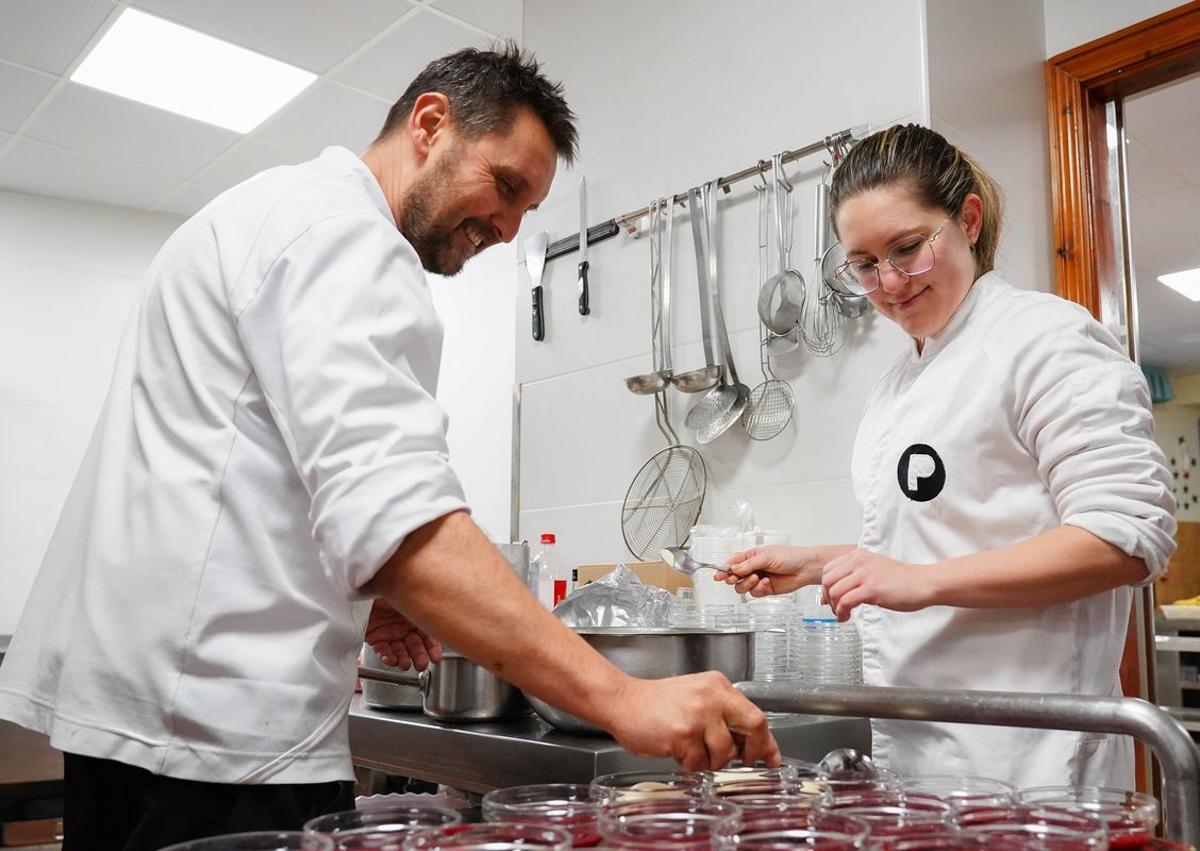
(782, 296)
(664, 500)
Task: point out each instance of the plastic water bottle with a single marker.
(549, 574)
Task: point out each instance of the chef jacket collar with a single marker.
(934, 343)
(345, 158)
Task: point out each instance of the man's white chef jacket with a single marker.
(1023, 414)
(269, 439)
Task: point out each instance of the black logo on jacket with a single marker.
(921, 473)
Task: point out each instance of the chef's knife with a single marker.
(584, 306)
(535, 262)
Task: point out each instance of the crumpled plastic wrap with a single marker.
(616, 599)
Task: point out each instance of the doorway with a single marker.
(1124, 149)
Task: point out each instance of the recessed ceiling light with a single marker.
(1185, 283)
(171, 67)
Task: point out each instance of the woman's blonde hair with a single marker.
(939, 174)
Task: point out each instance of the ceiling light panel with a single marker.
(171, 67)
(1185, 283)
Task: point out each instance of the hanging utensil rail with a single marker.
(610, 228)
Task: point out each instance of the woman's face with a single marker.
(872, 223)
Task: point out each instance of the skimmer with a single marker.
(771, 403)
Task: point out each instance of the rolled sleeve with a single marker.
(345, 343)
(1083, 410)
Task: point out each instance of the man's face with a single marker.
(473, 192)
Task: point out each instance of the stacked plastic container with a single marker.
(825, 652)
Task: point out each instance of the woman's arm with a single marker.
(778, 569)
(1059, 565)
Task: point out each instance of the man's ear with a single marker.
(428, 121)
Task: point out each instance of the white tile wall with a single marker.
(670, 94)
(69, 273)
(987, 95)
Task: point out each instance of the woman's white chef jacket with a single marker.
(1023, 414)
(269, 438)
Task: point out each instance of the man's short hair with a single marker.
(485, 89)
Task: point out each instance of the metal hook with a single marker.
(763, 165)
(783, 178)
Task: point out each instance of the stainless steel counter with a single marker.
(480, 757)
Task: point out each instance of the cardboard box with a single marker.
(654, 573)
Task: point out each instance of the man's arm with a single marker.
(450, 581)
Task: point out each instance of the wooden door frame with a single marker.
(1088, 267)
(1079, 83)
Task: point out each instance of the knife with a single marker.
(584, 305)
(535, 261)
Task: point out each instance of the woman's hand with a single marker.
(776, 569)
(861, 576)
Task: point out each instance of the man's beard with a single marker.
(431, 240)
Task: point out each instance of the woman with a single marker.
(1010, 486)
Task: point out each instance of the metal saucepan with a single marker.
(658, 653)
(456, 689)
(387, 695)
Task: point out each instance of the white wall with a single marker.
(476, 383)
(1070, 23)
(69, 275)
(988, 96)
(670, 94)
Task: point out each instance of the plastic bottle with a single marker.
(550, 574)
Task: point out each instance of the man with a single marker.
(270, 459)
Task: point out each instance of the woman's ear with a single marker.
(972, 216)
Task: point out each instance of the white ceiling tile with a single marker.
(41, 169)
(313, 34)
(1162, 108)
(389, 66)
(20, 91)
(1179, 147)
(499, 17)
(244, 160)
(48, 35)
(326, 114)
(1149, 176)
(130, 133)
(188, 199)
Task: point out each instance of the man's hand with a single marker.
(861, 576)
(775, 569)
(699, 719)
(397, 641)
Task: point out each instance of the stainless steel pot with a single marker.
(456, 689)
(386, 695)
(658, 653)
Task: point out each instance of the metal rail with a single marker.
(1176, 753)
(611, 227)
